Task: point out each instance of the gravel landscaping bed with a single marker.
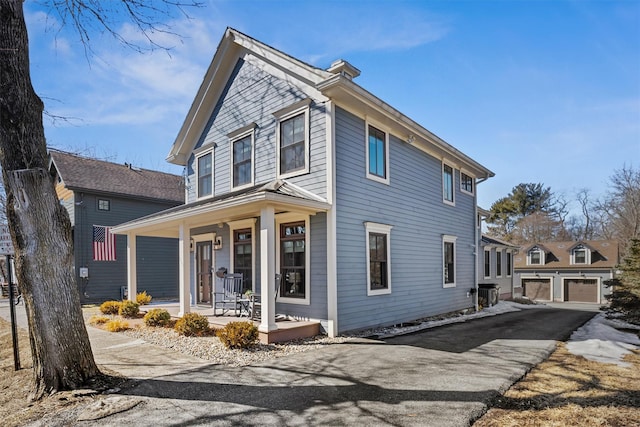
(210, 348)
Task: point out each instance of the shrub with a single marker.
(110, 307)
(142, 298)
(157, 317)
(116, 325)
(98, 320)
(192, 324)
(238, 335)
(129, 309)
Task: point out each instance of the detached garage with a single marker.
(537, 289)
(581, 290)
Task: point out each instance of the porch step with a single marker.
(292, 331)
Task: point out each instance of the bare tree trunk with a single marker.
(39, 225)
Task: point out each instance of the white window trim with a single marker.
(473, 185)
(587, 256)
(233, 140)
(542, 257)
(369, 175)
(499, 257)
(509, 270)
(294, 217)
(239, 225)
(453, 183)
(197, 177)
(450, 239)
(196, 238)
(298, 108)
(373, 227)
(486, 251)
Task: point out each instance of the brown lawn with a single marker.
(569, 390)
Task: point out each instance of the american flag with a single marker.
(104, 244)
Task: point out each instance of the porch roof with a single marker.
(247, 203)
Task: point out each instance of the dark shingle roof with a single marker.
(558, 254)
(92, 175)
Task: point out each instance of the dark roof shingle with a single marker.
(92, 175)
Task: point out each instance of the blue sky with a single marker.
(537, 91)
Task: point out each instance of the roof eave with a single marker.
(346, 93)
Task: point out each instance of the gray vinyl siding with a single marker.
(317, 309)
(505, 282)
(157, 258)
(413, 205)
(318, 266)
(252, 96)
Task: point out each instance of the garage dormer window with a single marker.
(580, 255)
(535, 256)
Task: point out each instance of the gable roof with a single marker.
(605, 254)
(492, 241)
(334, 84)
(83, 174)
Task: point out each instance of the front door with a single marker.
(203, 271)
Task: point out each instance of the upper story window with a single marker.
(447, 184)
(104, 205)
(377, 155)
(466, 183)
(580, 255)
(535, 256)
(242, 161)
(449, 261)
(293, 139)
(378, 258)
(204, 171)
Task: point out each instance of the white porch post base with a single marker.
(267, 270)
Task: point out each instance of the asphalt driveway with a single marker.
(443, 376)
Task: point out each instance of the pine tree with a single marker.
(625, 296)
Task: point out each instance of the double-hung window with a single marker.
(242, 167)
(447, 184)
(377, 149)
(449, 261)
(378, 258)
(204, 170)
(293, 139)
(580, 255)
(509, 264)
(498, 263)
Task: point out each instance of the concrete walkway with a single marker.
(438, 377)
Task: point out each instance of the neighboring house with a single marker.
(298, 172)
(98, 195)
(566, 271)
(496, 264)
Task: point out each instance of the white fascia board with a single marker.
(279, 199)
(307, 73)
(367, 103)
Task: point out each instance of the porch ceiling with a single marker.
(167, 223)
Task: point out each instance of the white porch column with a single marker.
(267, 270)
(132, 268)
(183, 269)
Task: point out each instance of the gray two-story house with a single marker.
(98, 195)
(298, 172)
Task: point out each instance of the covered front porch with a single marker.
(205, 231)
(288, 329)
